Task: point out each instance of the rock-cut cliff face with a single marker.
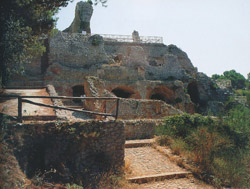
(135, 70)
(146, 71)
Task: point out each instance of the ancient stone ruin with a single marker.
(153, 79)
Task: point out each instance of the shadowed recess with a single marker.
(78, 91)
(122, 92)
(163, 93)
(193, 92)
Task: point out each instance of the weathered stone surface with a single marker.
(141, 129)
(76, 51)
(135, 67)
(81, 22)
(116, 72)
(141, 109)
(224, 84)
(160, 62)
(129, 108)
(169, 92)
(75, 151)
(135, 57)
(183, 59)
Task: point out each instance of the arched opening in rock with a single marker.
(162, 93)
(78, 91)
(193, 91)
(122, 92)
(158, 97)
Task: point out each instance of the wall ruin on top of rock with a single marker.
(126, 69)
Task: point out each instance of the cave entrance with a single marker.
(78, 91)
(161, 96)
(122, 93)
(162, 93)
(193, 92)
(158, 97)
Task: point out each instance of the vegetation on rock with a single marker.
(238, 80)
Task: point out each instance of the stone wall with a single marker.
(141, 129)
(71, 58)
(74, 151)
(141, 109)
(144, 91)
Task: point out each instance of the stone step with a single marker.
(157, 177)
(139, 143)
(143, 128)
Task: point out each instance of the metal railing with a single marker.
(129, 38)
(23, 99)
(116, 37)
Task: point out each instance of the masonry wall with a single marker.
(152, 49)
(74, 151)
(141, 129)
(143, 109)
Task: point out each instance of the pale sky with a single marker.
(214, 33)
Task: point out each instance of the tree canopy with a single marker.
(238, 80)
(23, 23)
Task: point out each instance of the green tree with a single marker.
(248, 81)
(23, 24)
(238, 80)
(215, 76)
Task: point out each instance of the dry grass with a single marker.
(127, 167)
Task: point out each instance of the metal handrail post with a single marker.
(20, 116)
(117, 108)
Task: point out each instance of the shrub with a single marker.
(219, 146)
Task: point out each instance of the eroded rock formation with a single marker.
(81, 22)
(130, 70)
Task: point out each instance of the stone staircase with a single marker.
(147, 164)
(147, 167)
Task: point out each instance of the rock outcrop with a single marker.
(130, 70)
(81, 22)
(131, 107)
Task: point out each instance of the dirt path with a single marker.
(9, 106)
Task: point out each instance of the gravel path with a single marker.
(9, 106)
